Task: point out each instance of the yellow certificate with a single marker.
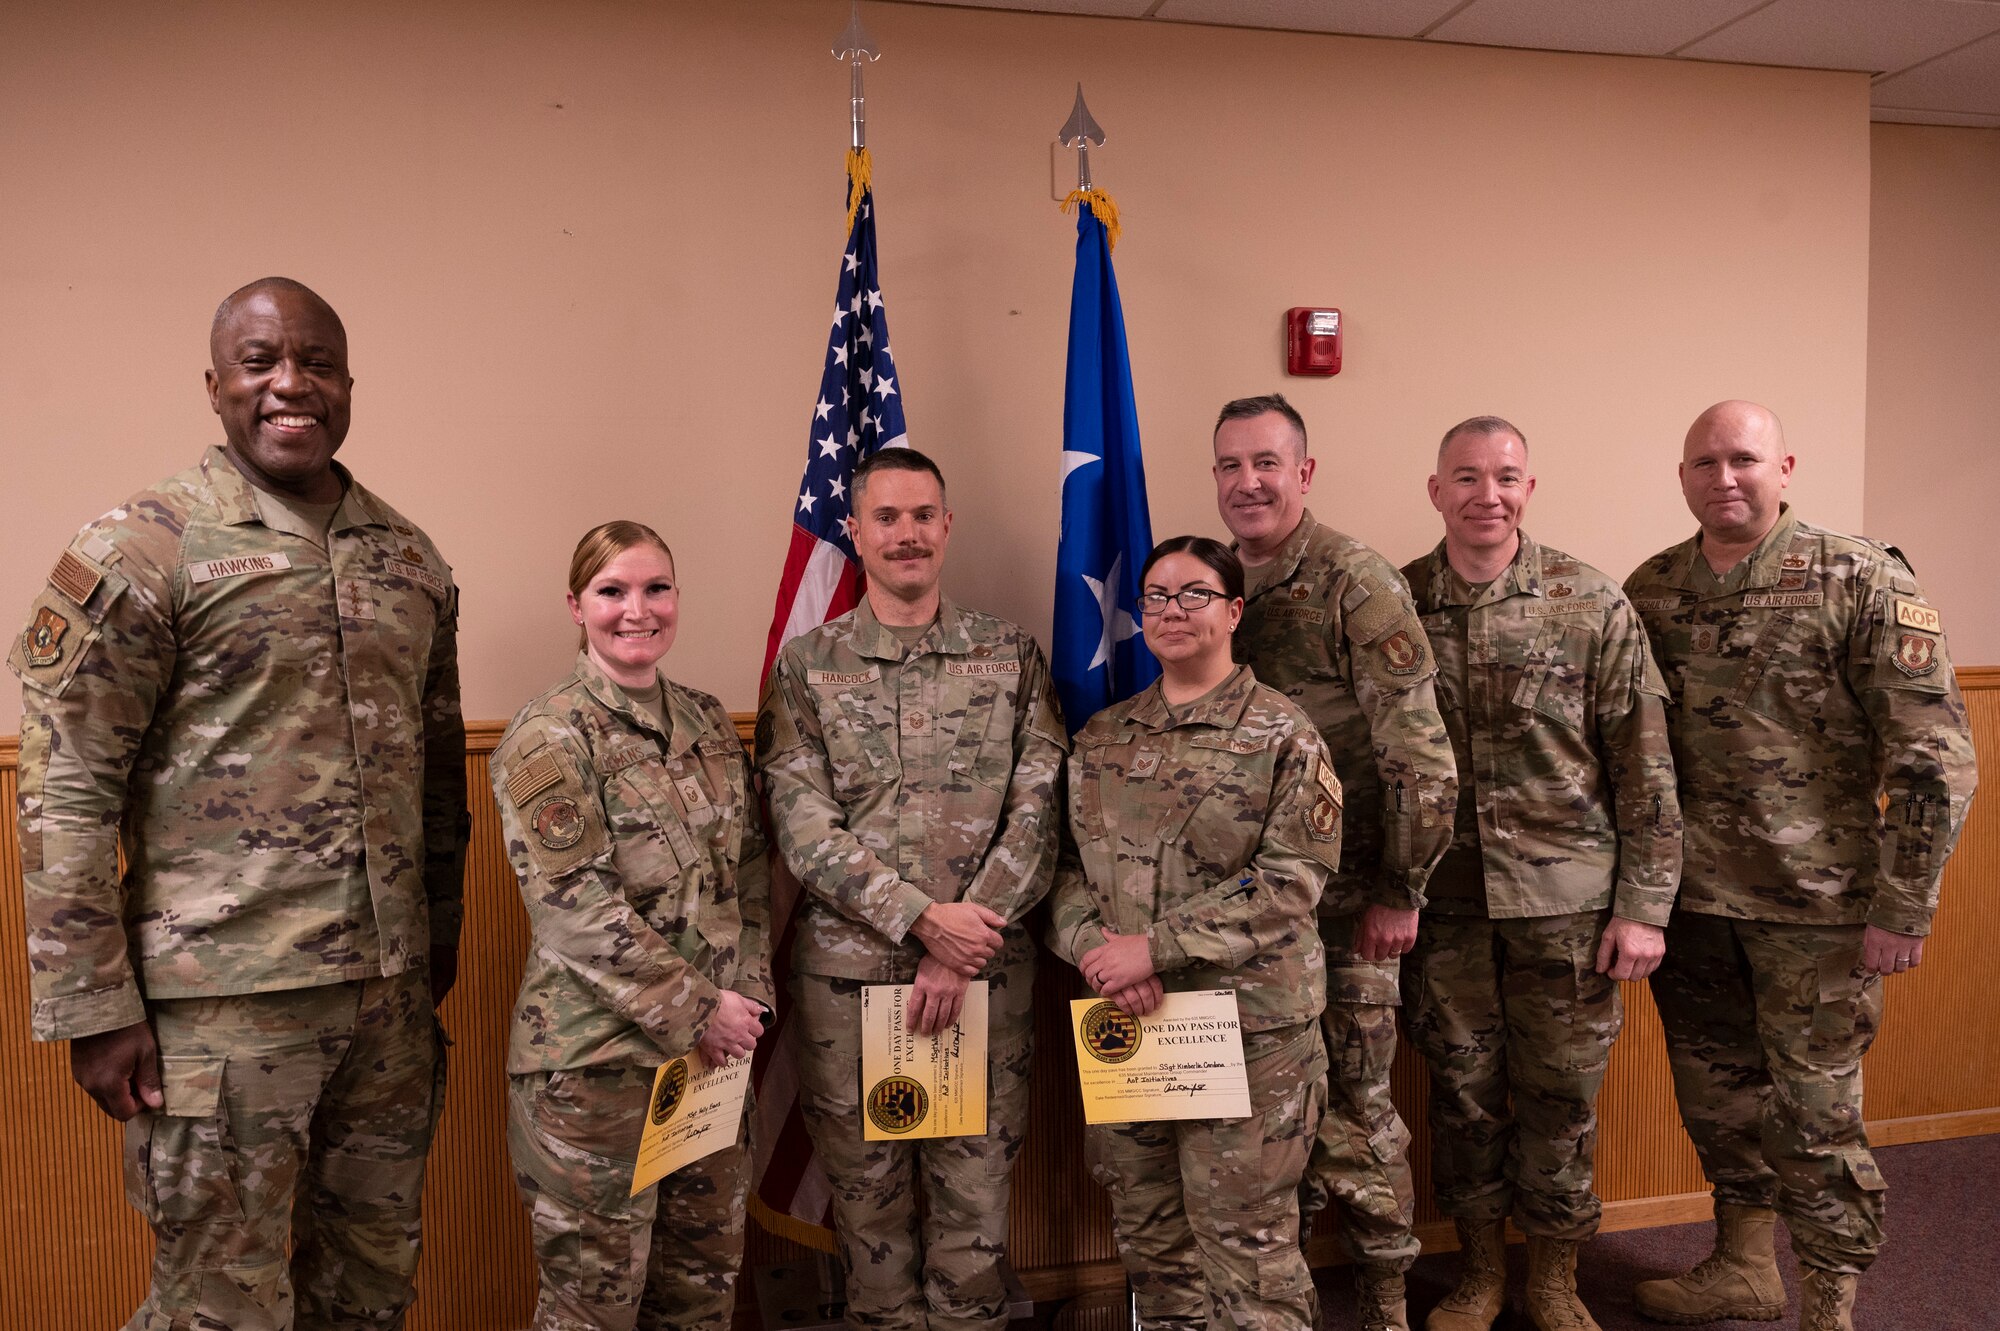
(921, 1085)
(696, 1111)
(1184, 1059)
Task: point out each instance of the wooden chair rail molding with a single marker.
(77, 1255)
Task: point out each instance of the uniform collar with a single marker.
(1522, 577)
(1224, 706)
(684, 724)
(236, 498)
(869, 637)
(1766, 561)
(1291, 554)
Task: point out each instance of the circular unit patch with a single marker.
(669, 1090)
(897, 1104)
(558, 822)
(1110, 1033)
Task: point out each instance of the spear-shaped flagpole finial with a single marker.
(852, 44)
(1081, 133)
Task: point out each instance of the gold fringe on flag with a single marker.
(1101, 207)
(859, 168)
(802, 1232)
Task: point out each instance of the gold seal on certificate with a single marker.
(1184, 1059)
(921, 1085)
(695, 1111)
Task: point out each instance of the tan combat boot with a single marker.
(1482, 1282)
(1553, 1304)
(1379, 1295)
(1739, 1279)
(1829, 1301)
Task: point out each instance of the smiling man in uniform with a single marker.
(246, 677)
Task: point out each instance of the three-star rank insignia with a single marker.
(42, 642)
(1916, 654)
(558, 822)
(1401, 653)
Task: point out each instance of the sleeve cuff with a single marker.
(1643, 905)
(1165, 949)
(74, 1016)
(910, 902)
(1901, 920)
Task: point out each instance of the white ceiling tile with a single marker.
(1364, 18)
(1966, 80)
(1872, 35)
(1618, 27)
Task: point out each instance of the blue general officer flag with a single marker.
(1099, 657)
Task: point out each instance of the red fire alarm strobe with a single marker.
(1312, 341)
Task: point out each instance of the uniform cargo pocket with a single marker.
(1848, 1010)
(181, 1159)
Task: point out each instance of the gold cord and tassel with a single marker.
(1101, 207)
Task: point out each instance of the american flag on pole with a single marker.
(860, 410)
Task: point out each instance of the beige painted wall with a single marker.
(1933, 348)
(586, 252)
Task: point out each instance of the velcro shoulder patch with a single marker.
(1917, 615)
(533, 777)
(1327, 780)
(1375, 616)
(76, 577)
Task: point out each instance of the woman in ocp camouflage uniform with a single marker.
(1206, 820)
(625, 802)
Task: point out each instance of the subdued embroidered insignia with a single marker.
(976, 668)
(237, 566)
(1301, 591)
(74, 577)
(1916, 654)
(558, 822)
(353, 600)
(533, 777)
(916, 721)
(1146, 763)
(1646, 604)
(692, 793)
(1401, 653)
(416, 573)
(1324, 818)
(1302, 614)
(1326, 778)
(1705, 639)
(1782, 600)
(1917, 615)
(42, 643)
(1791, 582)
(897, 1104)
(767, 731)
(1793, 563)
(412, 554)
(868, 676)
(982, 651)
(1559, 590)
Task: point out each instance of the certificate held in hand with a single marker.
(921, 1085)
(1184, 1059)
(695, 1111)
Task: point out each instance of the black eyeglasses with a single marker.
(1189, 599)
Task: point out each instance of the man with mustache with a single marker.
(246, 678)
(911, 751)
(1328, 622)
(1810, 689)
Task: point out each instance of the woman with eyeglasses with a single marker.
(625, 803)
(1206, 821)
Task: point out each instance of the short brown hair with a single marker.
(1244, 408)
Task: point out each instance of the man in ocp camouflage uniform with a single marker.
(246, 677)
(912, 750)
(1558, 884)
(1329, 624)
(1825, 768)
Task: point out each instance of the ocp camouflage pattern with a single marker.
(270, 731)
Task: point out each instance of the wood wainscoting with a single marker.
(77, 1256)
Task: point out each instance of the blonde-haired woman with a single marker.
(625, 802)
